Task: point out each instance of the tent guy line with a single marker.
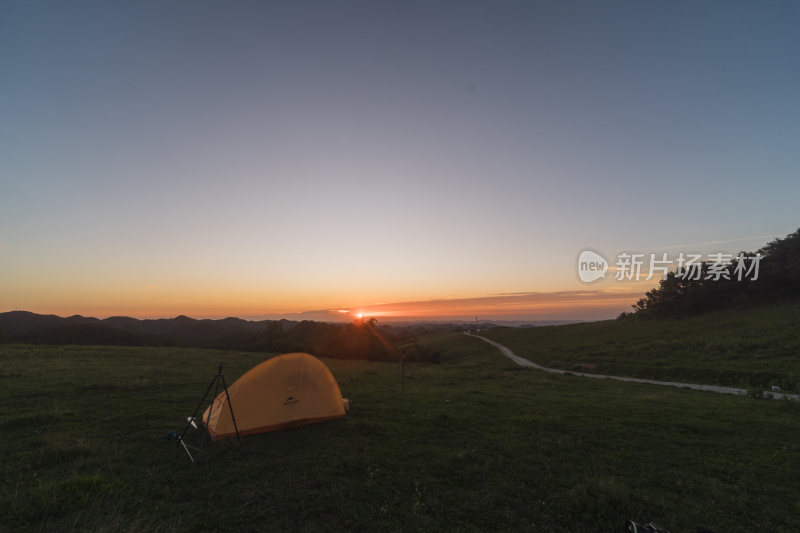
(708, 388)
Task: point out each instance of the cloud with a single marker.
(590, 304)
(320, 315)
(687, 247)
(573, 304)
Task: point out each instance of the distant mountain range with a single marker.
(24, 326)
(226, 333)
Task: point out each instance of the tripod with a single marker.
(215, 382)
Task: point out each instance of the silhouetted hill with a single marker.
(126, 323)
(20, 322)
(24, 326)
(363, 340)
(85, 334)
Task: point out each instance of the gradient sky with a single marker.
(256, 158)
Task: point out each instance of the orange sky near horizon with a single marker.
(154, 302)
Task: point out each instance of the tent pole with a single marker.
(230, 406)
(402, 369)
(199, 405)
(214, 397)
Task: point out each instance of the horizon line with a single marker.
(566, 305)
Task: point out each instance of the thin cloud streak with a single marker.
(574, 304)
(710, 243)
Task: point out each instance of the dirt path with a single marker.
(710, 388)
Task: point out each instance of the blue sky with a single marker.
(254, 158)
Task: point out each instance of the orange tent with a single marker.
(290, 390)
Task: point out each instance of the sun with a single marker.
(359, 315)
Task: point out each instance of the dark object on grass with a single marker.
(633, 527)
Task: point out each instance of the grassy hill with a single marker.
(751, 347)
(473, 443)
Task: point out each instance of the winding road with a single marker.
(710, 388)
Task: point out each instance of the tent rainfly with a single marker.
(286, 391)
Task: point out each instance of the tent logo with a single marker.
(591, 266)
(290, 401)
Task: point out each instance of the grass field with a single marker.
(473, 443)
(752, 348)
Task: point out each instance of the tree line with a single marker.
(364, 339)
(716, 287)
